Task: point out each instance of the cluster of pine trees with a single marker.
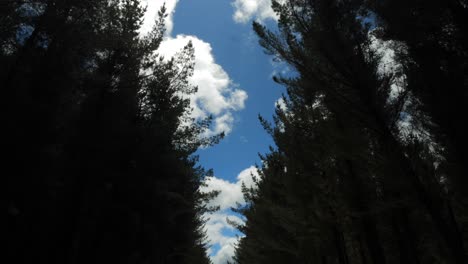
(371, 164)
(98, 141)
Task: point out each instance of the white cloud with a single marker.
(153, 7)
(226, 253)
(247, 176)
(217, 224)
(231, 192)
(281, 104)
(280, 69)
(388, 61)
(222, 123)
(217, 94)
(220, 97)
(407, 125)
(389, 65)
(245, 10)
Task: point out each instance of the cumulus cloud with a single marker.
(248, 177)
(153, 7)
(225, 253)
(220, 97)
(222, 123)
(218, 230)
(231, 192)
(217, 94)
(245, 10)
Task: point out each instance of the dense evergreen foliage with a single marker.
(371, 156)
(370, 164)
(98, 141)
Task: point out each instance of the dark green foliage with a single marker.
(99, 142)
(436, 58)
(347, 184)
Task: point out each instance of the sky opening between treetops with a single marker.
(233, 76)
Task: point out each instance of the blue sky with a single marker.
(235, 48)
(234, 77)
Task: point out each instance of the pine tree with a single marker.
(434, 35)
(102, 141)
(373, 187)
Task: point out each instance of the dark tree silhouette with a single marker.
(100, 143)
(346, 183)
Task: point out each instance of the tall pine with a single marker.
(100, 141)
(347, 185)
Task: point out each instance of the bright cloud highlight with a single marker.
(153, 7)
(231, 192)
(245, 10)
(220, 97)
(217, 94)
(219, 231)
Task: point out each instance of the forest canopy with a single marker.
(100, 140)
(369, 163)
